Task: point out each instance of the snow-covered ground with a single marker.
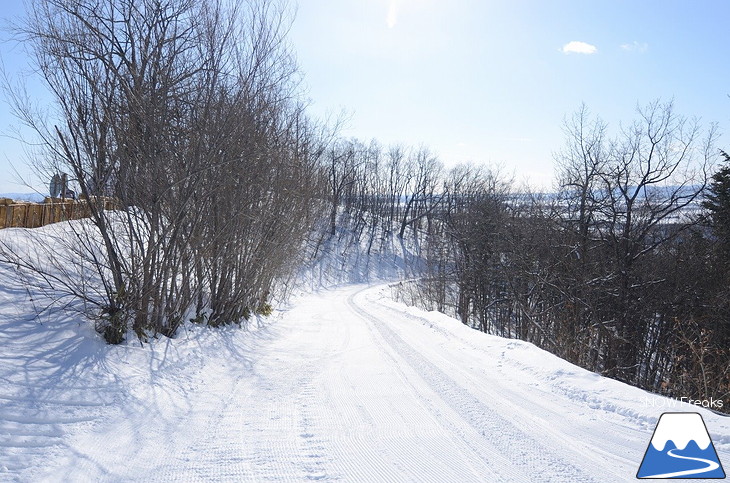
(343, 384)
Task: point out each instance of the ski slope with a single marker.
(343, 384)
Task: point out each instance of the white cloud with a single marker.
(635, 46)
(577, 47)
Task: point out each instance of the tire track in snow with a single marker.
(380, 429)
(529, 458)
(472, 463)
(582, 439)
(328, 407)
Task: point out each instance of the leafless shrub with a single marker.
(186, 113)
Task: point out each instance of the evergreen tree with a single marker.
(718, 203)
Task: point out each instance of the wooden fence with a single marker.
(17, 214)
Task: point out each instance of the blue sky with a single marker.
(488, 81)
(491, 81)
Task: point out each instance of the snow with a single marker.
(681, 428)
(340, 384)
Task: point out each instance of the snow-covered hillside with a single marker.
(342, 384)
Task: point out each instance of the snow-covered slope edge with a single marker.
(543, 376)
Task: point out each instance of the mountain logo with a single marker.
(681, 448)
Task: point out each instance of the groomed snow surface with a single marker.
(343, 384)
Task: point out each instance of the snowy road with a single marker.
(344, 385)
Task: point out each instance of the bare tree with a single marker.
(342, 168)
(627, 197)
(422, 195)
(659, 167)
(580, 165)
(186, 114)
